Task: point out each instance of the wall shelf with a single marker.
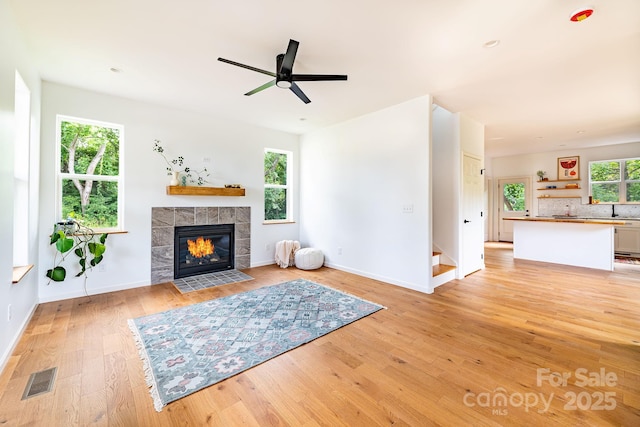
(177, 190)
(20, 272)
(560, 180)
(560, 197)
(563, 188)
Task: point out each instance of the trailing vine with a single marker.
(72, 237)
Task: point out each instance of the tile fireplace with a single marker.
(166, 220)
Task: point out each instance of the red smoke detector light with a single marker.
(581, 15)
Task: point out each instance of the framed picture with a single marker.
(568, 168)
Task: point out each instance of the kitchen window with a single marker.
(615, 181)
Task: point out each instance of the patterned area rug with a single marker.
(208, 280)
(189, 348)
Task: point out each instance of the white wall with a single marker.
(471, 137)
(236, 151)
(446, 182)
(356, 177)
(21, 296)
(528, 164)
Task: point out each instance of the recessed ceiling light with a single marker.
(581, 131)
(581, 14)
(115, 70)
(302, 119)
(539, 137)
(496, 138)
(491, 43)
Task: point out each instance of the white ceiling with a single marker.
(548, 79)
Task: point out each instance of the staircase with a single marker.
(442, 273)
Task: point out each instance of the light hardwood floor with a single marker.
(440, 359)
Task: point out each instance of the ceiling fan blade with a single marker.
(316, 77)
(261, 88)
(248, 67)
(287, 63)
(296, 89)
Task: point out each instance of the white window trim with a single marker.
(288, 187)
(622, 187)
(119, 179)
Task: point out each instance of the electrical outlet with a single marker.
(339, 251)
(267, 247)
(9, 313)
(206, 160)
(102, 268)
(408, 209)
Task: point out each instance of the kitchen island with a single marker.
(579, 242)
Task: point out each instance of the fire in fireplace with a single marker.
(200, 249)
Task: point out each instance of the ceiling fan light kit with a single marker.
(284, 77)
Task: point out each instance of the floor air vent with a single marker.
(39, 383)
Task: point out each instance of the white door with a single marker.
(472, 238)
(513, 201)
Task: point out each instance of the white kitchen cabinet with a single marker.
(627, 240)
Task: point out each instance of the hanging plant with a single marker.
(71, 236)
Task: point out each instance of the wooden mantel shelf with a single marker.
(178, 190)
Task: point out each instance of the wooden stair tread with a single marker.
(436, 253)
(441, 269)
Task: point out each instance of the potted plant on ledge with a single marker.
(71, 236)
(175, 169)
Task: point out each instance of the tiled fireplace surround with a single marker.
(165, 219)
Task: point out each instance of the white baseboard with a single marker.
(262, 263)
(96, 291)
(14, 341)
(412, 286)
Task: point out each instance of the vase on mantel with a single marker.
(174, 179)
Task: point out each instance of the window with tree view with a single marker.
(277, 185)
(89, 175)
(615, 181)
(513, 197)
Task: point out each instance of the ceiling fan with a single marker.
(284, 77)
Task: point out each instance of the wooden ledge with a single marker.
(178, 190)
(568, 220)
(20, 272)
(99, 232)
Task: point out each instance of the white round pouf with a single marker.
(309, 258)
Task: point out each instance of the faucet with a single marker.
(613, 211)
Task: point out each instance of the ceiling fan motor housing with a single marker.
(282, 79)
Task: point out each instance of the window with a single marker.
(513, 197)
(277, 185)
(615, 181)
(21, 172)
(90, 172)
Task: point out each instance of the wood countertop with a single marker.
(570, 220)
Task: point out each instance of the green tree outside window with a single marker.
(513, 197)
(615, 181)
